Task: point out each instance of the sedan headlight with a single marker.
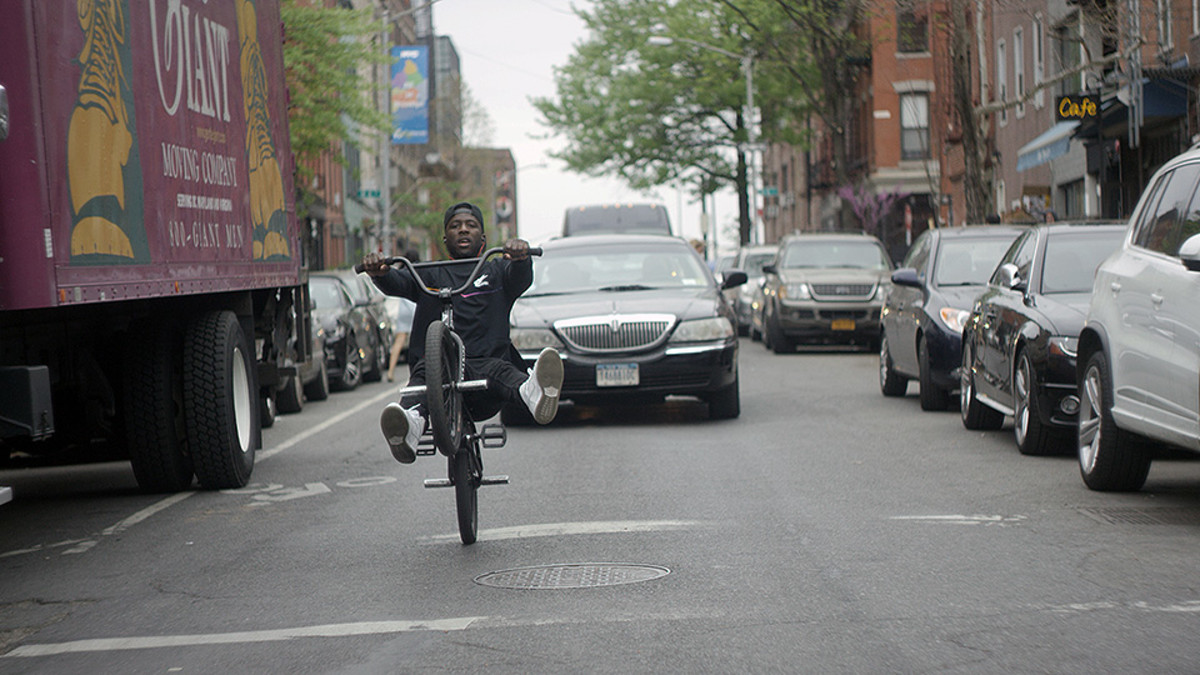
(1064, 346)
(796, 291)
(703, 330)
(954, 318)
(534, 339)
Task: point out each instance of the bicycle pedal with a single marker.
(438, 483)
(425, 446)
(491, 480)
(472, 385)
(493, 435)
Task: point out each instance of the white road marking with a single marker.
(965, 520)
(559, 529)
(1188, 607)
(334, 630)
(83, 545)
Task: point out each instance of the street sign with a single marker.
(769, 191)
(367, 194)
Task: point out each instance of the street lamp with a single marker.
(747, 60)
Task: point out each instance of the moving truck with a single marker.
(152, 295)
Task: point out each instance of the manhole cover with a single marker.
(574, 575)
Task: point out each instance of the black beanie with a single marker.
(459, 208)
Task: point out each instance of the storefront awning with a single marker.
(1052, 143)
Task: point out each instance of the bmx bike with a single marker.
(451, 429)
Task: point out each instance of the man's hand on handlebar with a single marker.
(516, 249)
(373, 264)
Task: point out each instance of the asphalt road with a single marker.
(828, 529)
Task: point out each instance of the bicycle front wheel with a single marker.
(443, 372)
(465, 471)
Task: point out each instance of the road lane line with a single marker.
(559, 529)
(84, 545)
(334, 630)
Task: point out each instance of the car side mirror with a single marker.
(733, 278)
(1189, 253)
(1010, 277)
(770, 269)
(906, 276)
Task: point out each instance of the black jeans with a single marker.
(504, 382)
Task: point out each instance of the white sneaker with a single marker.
(402, 429)
(540, 391)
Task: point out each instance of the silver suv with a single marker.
(1139, 352)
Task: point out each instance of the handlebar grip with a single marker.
(535, 250)
(359, 269)
(386, 261)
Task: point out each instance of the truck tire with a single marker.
(220, 400)
(152, 402)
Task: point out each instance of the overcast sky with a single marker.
(507, 52)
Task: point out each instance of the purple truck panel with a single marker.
(148, 154)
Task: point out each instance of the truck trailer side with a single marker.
(151, 283)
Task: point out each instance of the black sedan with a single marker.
(342, 325)
(1020, 341)
(930, 298)
(636, 318)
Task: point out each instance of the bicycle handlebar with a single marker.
(412, 267)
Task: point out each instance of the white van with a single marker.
(616, 219)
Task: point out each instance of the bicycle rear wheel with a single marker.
(465, 471)
(443, 372)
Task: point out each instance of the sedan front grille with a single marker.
(843, 291)
(616, 332)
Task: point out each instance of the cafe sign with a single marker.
(1076, 108)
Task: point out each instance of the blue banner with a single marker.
(410, 95)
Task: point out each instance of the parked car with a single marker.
(616, 219)
(825, 288)
(750, 259)
(1018, 357)
(311, 381)
(927, 305)
(345, 326)
(379, 337)
(1139, 350)
(635, 317)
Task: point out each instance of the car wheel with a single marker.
(933, 397)
(290, 398)
(725, 403)
(975, 415)
(318, 389)
(352, 370)
(1033, 437)
(1110, 458)
(780, 344)
(378, 361)
(891, 383)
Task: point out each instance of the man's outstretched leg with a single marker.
(402, 428)
(540, 391)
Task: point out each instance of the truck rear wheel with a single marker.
(152, 397)
(220, 400)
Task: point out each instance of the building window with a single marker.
(1038, 39)
(912, 31)
(1070, 47)
(1019, 69)
(914, 126)
(1002, 78)
(1166, 39)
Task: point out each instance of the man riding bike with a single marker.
(480, 319)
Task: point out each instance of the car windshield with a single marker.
(616, 268)
(1072, 259)
(968, 262)
(865, 254)
(754, 262)
(325, 293)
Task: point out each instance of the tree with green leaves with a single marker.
(668, 114)
(326, 52)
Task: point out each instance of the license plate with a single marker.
(843, 324)
(617, 375)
